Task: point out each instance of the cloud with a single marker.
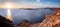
(48, 2)
(38, 1)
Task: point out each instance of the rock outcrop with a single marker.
(5, 22)
(52, 20)
(24, 23)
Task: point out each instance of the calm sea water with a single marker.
(30, 15)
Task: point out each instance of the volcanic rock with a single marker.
(5, 22)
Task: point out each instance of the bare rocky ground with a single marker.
(52, 20)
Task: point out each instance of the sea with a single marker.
(30, 14)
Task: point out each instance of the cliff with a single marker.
(52, 20)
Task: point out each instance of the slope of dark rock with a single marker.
(24, 23)
(5, 22)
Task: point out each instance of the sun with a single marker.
(8, 5)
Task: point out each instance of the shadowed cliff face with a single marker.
(56, 25)
(5, 22)
(52, 20)
(24, 23)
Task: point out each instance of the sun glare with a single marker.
(9, 6)
(9, 16)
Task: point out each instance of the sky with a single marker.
(30, 3)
